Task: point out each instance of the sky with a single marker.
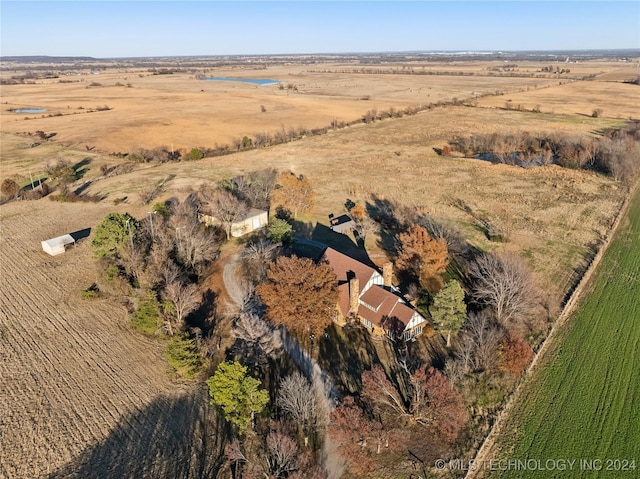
(112, 29)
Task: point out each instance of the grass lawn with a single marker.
(584, 403)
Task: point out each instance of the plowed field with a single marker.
(71, 372)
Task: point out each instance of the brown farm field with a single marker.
(80, 390)
(78, 383)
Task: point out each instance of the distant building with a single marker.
(252, 220)
(367, 295)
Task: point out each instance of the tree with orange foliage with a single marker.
(515, 354)
(423, 257)
(300, 295)
(293, 193)
(445, 403)
(355, 434)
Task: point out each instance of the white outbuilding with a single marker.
(55, 246)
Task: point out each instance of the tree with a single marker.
(196, 245)
(228, 209)
(112, 233)
(294, 193)
(445, 403)
(378, 390)
(354, 433)
(299, 295)
(184, 298)
(423, 257)
(479, 339)
(364, 224)
(505, 284)
(238, 394)
(280, 231)
(432, 400)
(449, 310)
(256, 258)
(257, 340)
(515, 354)
(299, 402)
(10, 189)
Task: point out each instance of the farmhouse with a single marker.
(252, 220)
(366, 294)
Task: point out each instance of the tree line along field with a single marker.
(582, 400)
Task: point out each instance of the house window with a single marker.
(417, 330)
(407, 335)
(368, 323)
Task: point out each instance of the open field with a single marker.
(582, 400)
(180, 110)
(615, 99)
(72, 373)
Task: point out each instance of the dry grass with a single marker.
(615, 99)
(181, 110)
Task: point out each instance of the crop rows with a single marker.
(70, 370)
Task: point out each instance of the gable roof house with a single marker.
(366, 294)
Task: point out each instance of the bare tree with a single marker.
(185, 298)
(481, 337)
(258, 339)
(227, 208)
(282, 454)
(196, 245)
(505, 284)
(298, 399)
(256, 258)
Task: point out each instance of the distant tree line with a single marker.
(616, 153)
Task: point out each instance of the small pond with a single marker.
(28, 110)
(255, 81)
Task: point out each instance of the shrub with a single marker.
(195, 154)
(147, 318)
(280, 231)
(92, 292)
(183, 356)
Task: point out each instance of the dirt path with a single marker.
(70, 370)
(488, 448)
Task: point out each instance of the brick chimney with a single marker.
(387, 274)
(354, 295)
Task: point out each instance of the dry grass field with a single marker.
(614, 99)
(81, 392)
(182, 110)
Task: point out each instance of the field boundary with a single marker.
(569, 307)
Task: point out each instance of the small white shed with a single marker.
(55, 246)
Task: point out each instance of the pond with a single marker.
(28, 110)
(254, 81)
